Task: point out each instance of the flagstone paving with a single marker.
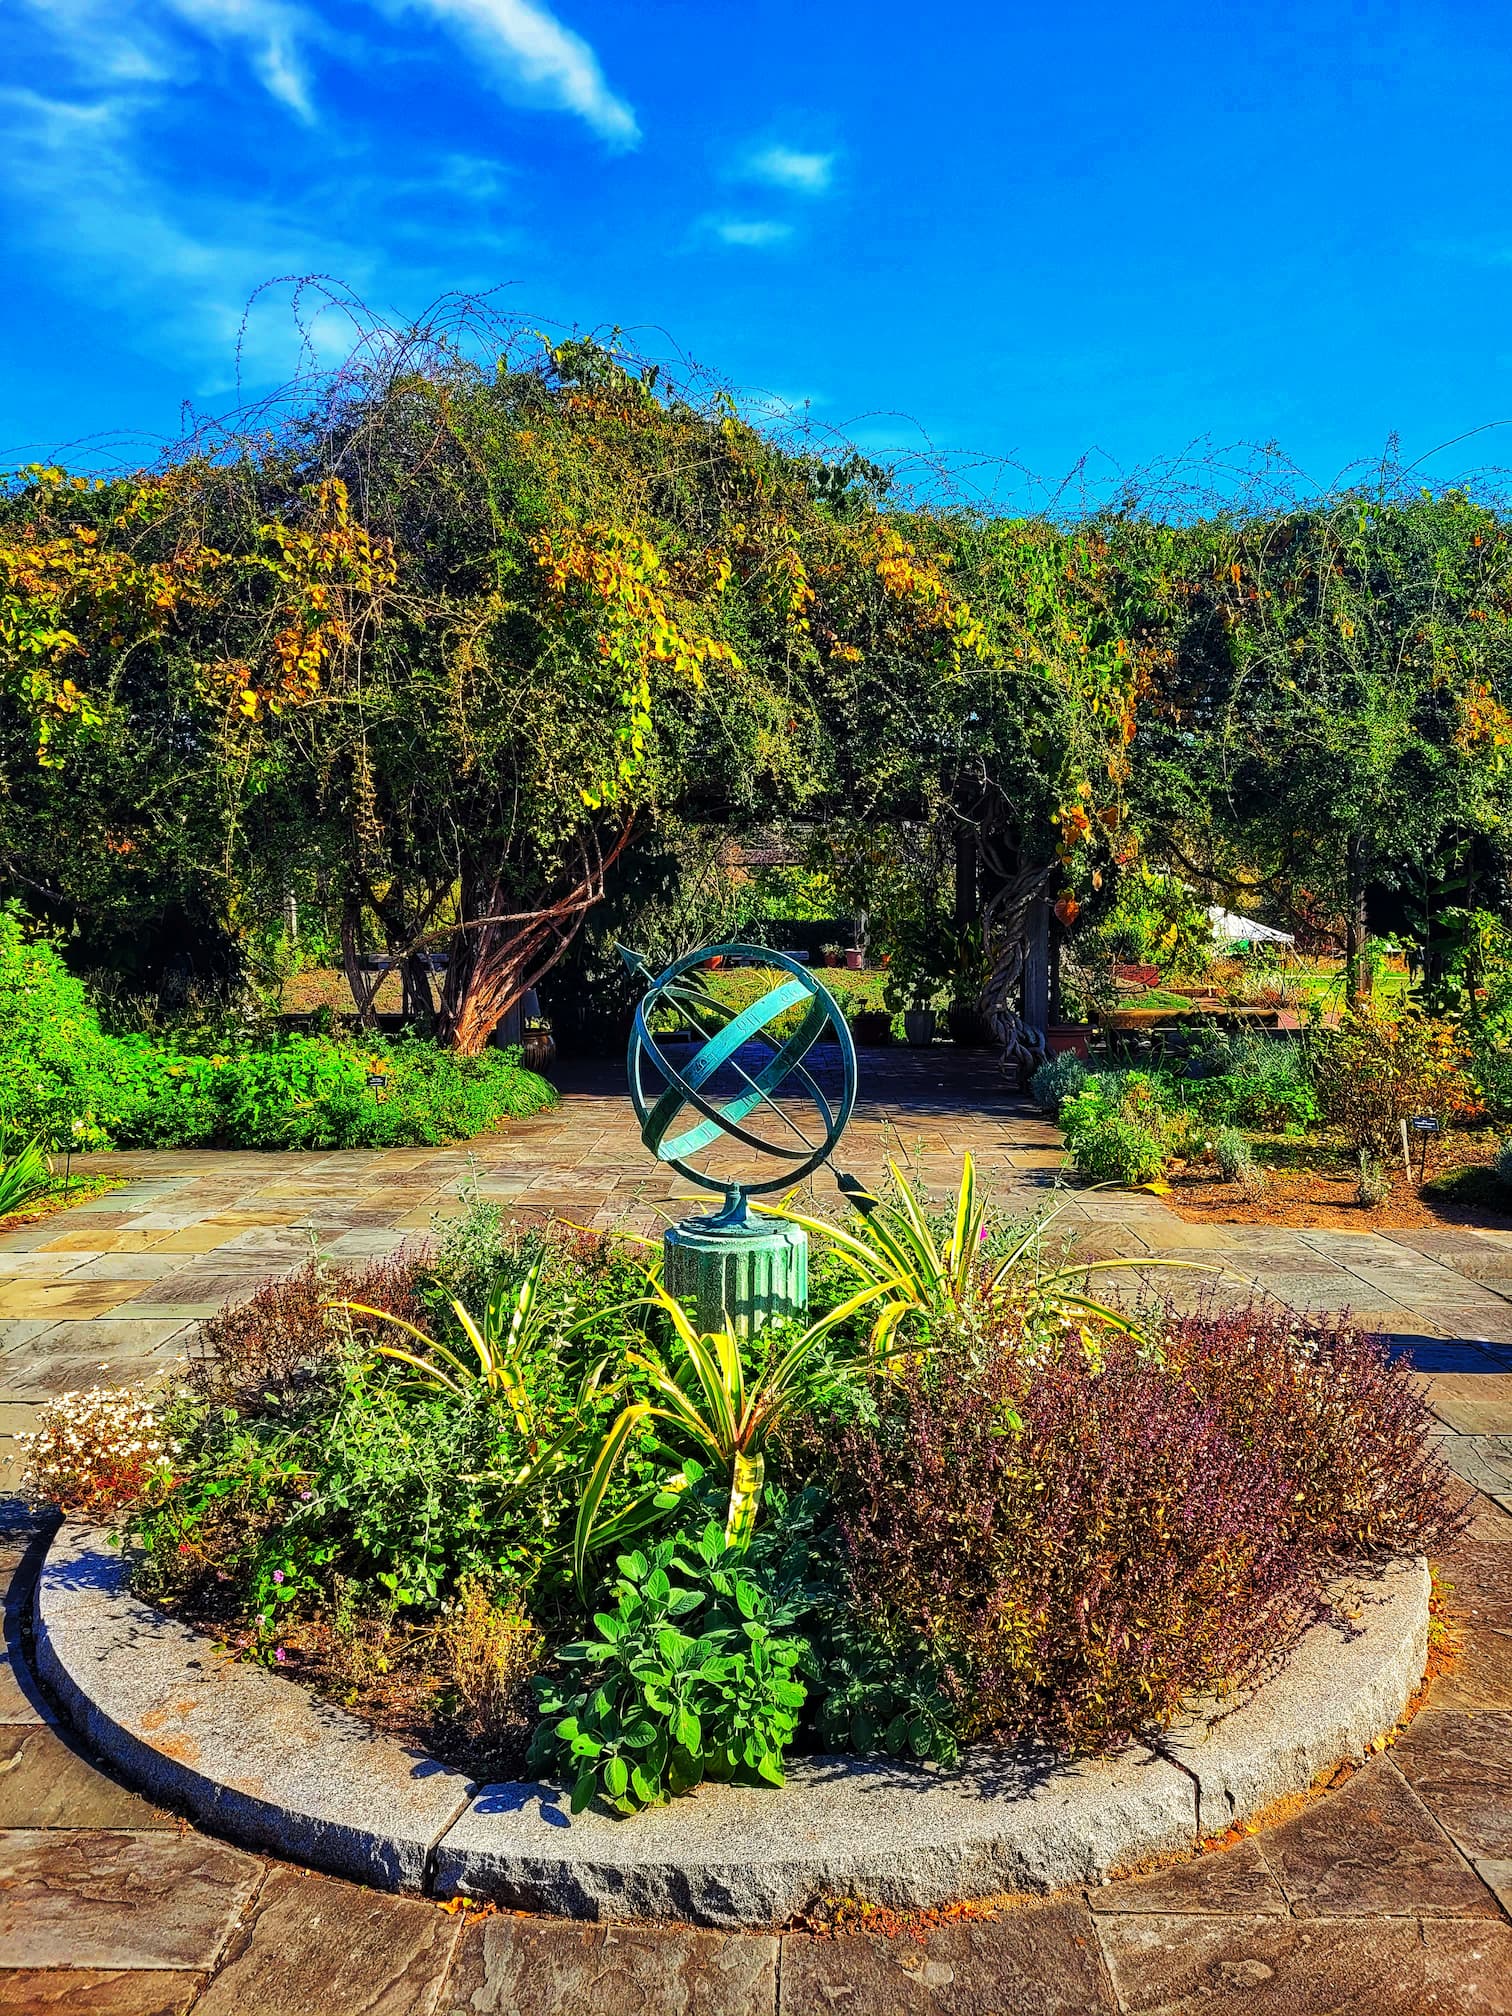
(1391, 1895)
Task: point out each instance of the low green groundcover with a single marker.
(1480, 1186)
(1345, 1088)
(65, 1082)
(313, 1092)
(499, 1496)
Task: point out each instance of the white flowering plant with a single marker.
(98, 1451)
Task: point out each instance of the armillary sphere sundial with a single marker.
(728, 1094)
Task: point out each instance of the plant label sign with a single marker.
(1425, 1126)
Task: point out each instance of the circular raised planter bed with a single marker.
(261, 1760)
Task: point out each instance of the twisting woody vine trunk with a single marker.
(363, 982)
(1007, 923)
(495, 956)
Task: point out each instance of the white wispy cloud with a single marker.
(534, 57)
(180, 272)
(126, 44)
(790, 168)
(528, 54)
(755, 233)
(272, 32)
(93, 182)
(175, 269)
(108, 46)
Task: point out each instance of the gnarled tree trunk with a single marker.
(1356, 931)
(362, 980)
(495, 955)
(418, 1001)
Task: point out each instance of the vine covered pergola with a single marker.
(439, 644)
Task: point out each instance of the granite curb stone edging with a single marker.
(844, 1827)
(260, 1760)
(1324, 1708)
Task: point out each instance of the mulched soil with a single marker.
(1322, 1196)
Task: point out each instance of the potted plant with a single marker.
(913, 996)
(829, 955)
(1069, 1039)
(917, 964)
(919, 1027)
(538, 1047)
(966, 980)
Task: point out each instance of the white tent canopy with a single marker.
(1230, 929)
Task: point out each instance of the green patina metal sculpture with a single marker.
(737, 1270)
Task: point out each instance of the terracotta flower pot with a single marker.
(855, 957)
(1068, 1036)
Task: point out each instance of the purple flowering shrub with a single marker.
(284, 1330)
(1160, 1526)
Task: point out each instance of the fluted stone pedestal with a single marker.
(737, 1272)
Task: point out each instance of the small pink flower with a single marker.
(280, 1655)
(278, 1575)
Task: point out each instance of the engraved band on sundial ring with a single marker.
(658, 1114)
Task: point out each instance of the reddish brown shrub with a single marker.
(1157, 1529)
(1378, 1068)
(1346, 1424)
(285, 1330)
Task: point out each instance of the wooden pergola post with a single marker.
(1036, 1008)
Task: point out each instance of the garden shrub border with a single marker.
(259, 1759)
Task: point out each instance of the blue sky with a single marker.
(1017, 235)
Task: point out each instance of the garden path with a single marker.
(112, 1288)
(1392, 1895)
